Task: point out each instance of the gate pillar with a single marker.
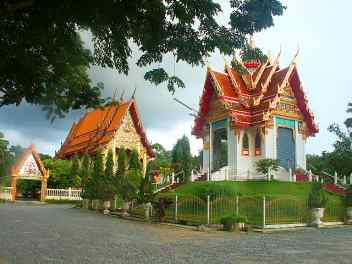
(14, 188)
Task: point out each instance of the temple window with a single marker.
(258, 144)
(245, 145)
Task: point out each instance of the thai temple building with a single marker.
(116, 125)
(252, 110)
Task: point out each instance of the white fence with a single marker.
(64, 194)
(165, 182)
(5, 193)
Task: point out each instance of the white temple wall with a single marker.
(300, 152)
(232, 149)
(269, 149)
(247, 164)
(205, 168)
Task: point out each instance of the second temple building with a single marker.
(254, 111)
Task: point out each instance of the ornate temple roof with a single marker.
(97, 128)
(15, 169)
(251, 98)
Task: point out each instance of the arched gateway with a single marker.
(29, 167)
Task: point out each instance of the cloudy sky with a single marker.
(320, 28)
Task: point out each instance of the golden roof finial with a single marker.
(113, 99)
(134, 91)
(295, 58)
(277, 60)
(252, 42)
(121, 97)
(270, 57)
(209, 67)
(224, 58)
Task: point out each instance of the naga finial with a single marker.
(295, 58)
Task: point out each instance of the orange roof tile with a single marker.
(97, 128)
(232, 89)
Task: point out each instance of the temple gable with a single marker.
(127, 135)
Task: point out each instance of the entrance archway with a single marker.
(29, 167)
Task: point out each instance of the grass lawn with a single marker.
(247, 188)
(286, 202)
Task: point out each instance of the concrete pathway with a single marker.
(61, 234)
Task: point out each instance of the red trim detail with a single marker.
(245, 152)
(258, 152)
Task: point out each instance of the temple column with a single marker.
(43, 190)
(44, 187)
(230, 149)
(210, 151)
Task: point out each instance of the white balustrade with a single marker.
(64, 194)
(5, 193)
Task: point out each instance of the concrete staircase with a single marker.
(329, 184)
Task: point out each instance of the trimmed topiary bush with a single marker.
(229, 222)
(317, 197)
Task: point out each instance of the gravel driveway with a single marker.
(60, 234)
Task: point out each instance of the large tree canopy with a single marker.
(43, 60)
(340, 159)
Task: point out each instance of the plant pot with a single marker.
(107, 205)
(241, 226)
(125, 208)
(229, 227)
(147, 212)
(237, 227)
(317, 215)
(349, 214)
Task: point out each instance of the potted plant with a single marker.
(317, 201)
(233, 222)
(146, 196)
(348, 202)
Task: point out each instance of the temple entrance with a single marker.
(220, 149)
(286, 148)
(29, 177)
(28, 190)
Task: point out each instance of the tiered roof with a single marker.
(97, 128)
(250, 99)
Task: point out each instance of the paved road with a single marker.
(60, 234)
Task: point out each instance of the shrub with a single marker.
(348, 197)
(229, 221)
(161, 205)
(317, 197)
(264, 166)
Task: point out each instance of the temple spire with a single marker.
(252, 42)
(121, 97)
(134, 92)
(295, 58)
(270, 57)
(113, 99)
